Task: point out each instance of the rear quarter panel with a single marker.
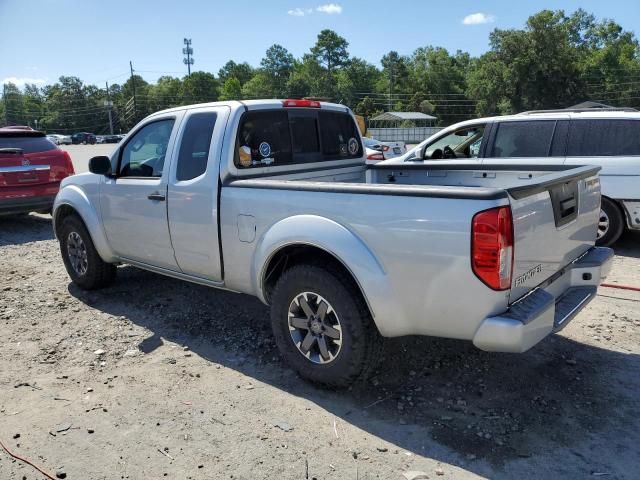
(423, 283)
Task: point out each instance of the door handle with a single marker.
(156, 196)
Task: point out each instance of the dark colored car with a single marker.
(112, 138)
(31, 169)
(83, 138)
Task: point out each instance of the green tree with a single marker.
(357, 79)
(330, 53)
(242, 71)
(13, 104)
(277, 65)
(231, 89)
(534, 68)
(260, 86)
(394, 79)
(200, 87)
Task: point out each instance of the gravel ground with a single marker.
(155, 378)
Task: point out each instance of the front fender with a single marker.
(76, 198)
(342, 244)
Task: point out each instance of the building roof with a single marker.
(395, 116)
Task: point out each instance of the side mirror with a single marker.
(100, 165)
(419, 154)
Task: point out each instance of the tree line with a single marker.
(555, 61)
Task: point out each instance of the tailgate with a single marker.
(17, 170)
(554, 222)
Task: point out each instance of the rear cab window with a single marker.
(295, 136)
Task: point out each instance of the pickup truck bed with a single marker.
(426, 261)
(273, 199)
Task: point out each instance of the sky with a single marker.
(40, 40)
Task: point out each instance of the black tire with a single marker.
(611, 216)
(97, 273)
(361, 343)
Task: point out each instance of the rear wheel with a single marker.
(323, 327)
(83, 264)
(610, 223)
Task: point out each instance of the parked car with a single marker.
(274, 199)
(386, 150)
(99, 139)
(609, 138)
(83, 138)
(112, 138)
(31, 168)
(59, 139)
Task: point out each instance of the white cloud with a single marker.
(478, 18)
(330, 8)
(22, 81)
(298, 12)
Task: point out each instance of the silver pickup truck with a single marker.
(274, 199)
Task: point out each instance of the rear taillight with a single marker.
(68, 163)
(375, 156)
(492, 247)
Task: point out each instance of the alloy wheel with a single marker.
(603, 224)
(77, 253)
(315, 328)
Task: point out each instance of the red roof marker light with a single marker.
(301, 103)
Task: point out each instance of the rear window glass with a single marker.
(264, 139)
(523, 139)
(284, 137)
(604, 138)
(27, 144)
(340, 138)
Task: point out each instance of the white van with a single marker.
(609, 138)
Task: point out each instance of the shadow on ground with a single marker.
(628, 245)
(25, 228)
(434, 397)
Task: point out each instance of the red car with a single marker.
(31, 168)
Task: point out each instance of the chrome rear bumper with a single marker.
(548, 308)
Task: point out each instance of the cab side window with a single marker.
(523, 139)
(144, 154)
(194, 147)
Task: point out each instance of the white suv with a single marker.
(609, 138)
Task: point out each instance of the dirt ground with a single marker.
(154, 378)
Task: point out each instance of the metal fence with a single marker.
(406, 135)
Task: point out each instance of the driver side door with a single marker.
(133, 201)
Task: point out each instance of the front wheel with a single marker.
(82, 261)
(610, 223)
(322, 326)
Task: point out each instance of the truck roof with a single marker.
(257, 105)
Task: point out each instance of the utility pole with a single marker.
(4, 100)
(188, 51)
(109, 104)
(133, 85)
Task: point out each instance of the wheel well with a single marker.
(63, 212)
(620, 208)
(291, 255)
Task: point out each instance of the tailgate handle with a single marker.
(156, 196)
(568, 206)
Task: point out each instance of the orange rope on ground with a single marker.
(17, 457)
(621, 287)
